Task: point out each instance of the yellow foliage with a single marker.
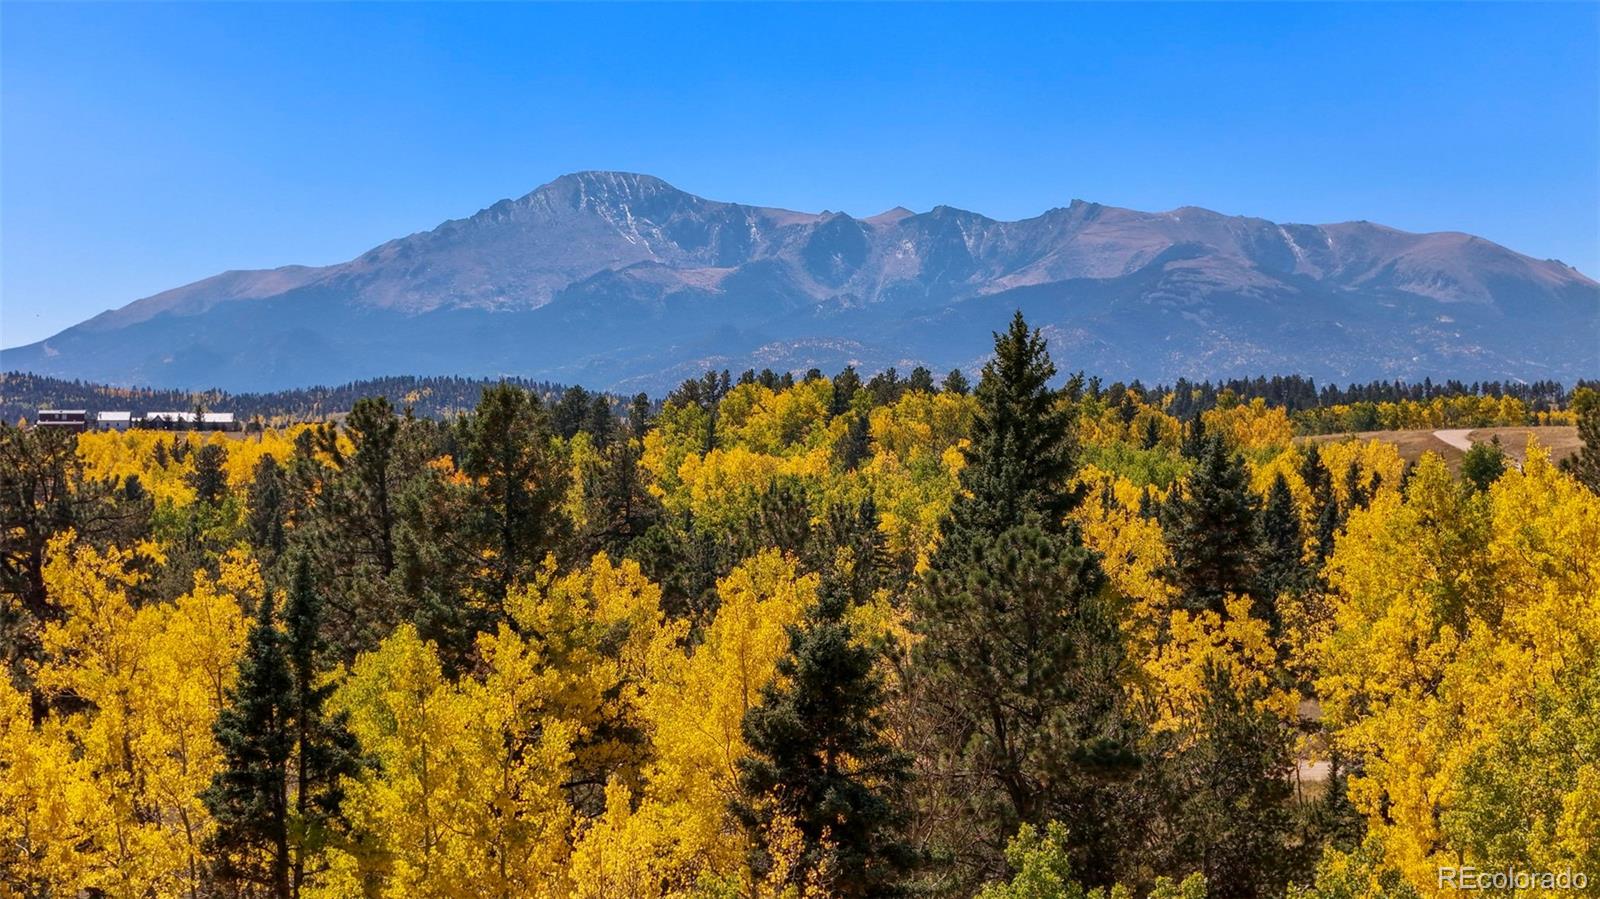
(50, 808)
(1132, 552)
(467, 798)
(1234, 642)
(916, 465)
(1251, 427)
(118, 454)
(152, 681)
(1457, 618)
(1371, 456)
(693, 708)
(777, 423)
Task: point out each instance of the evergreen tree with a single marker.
(1329, 520)
(687, 559)
(1210, 528)
(622, 509)
(639, 416)
(819, 760)
(517, 512)
(1023, 659)
(1355, 490)
(886, 387)
(276, 799)
(1195, 441)
(210, 478)
(866, 564)
(374, 431)
(1020, 651)
(845, 385)
(955, 382)
(249, 797)
(1318, 480)
(1584, 465)
(600, 424)
(324, 750)
(1484, 464)
(1283, 569)
(921, 380)
(1149, 504)
(1023, 453)
(346, 489)
(570, 412)
(266, 509)
(1152, 434)
(782, 520)
(855, 445)
(1229, 790)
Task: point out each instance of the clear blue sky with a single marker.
(142, 147)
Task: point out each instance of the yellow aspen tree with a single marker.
(679, 831)
(1461, 669)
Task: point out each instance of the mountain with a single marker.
(622, 281)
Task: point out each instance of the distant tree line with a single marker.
(23, 394)
(1296, 393)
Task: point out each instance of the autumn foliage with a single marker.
(795, 637)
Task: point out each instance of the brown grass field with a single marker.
(1561, 440)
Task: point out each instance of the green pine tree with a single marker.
(570, 412)
(955, 382)
(1584, 465)
(276, 799)
(324, 750)
(1283, 569)
(1483, 464)
(818, 758)
(1355, 489)
(266, 503)
(1195, 442)
(370, 473)
(639, 416)
(517, 513)
(1023, 453)
(1318, 480)
(855, 445)
(622, 509)
(210, 478)
(1021, 654)
(1329, 520)
(1210, 528)
(1228, 791)
(782, 520)
(249, 797)
(600, 423)
(845, 385)
(1152, 434)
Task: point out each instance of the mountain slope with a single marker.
(621, 280)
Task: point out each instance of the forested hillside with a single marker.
(802, 638)
(1379, 405)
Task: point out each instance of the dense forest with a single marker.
(1379, 405)
(804, 637)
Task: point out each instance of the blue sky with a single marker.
(143, 147)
